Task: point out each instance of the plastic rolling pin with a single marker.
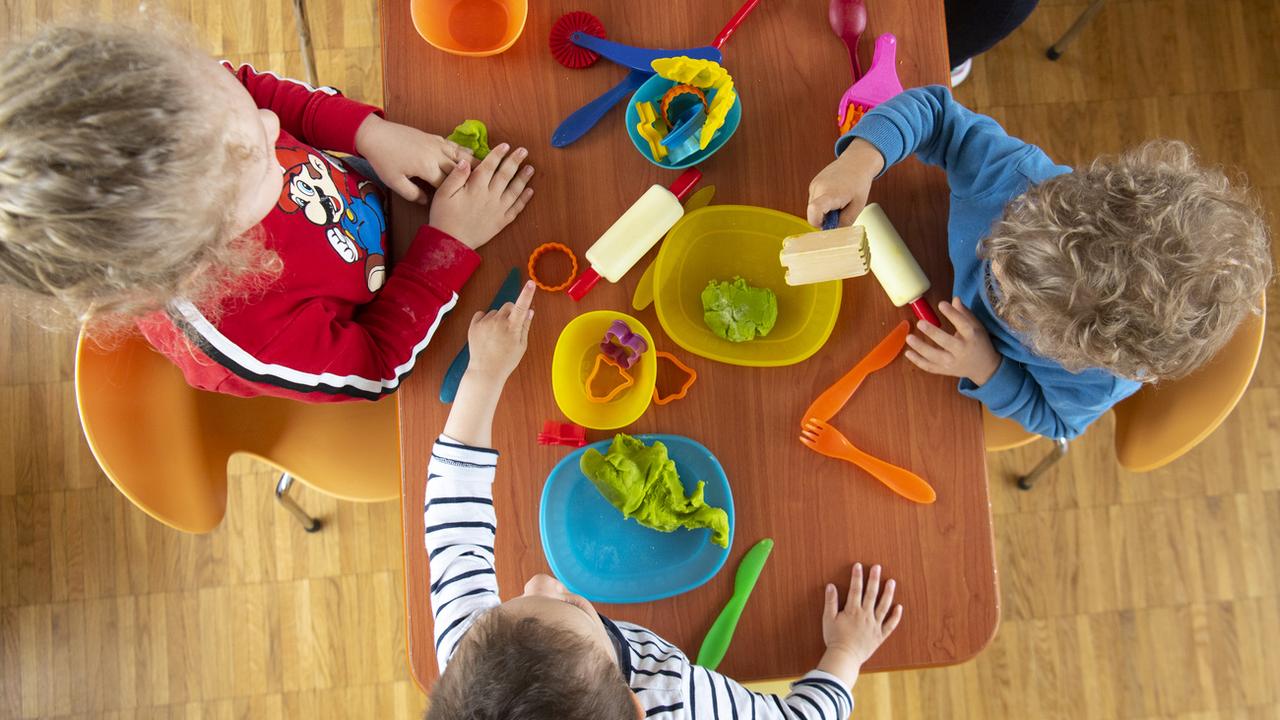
(893, 265)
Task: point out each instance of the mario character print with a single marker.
(353, 225)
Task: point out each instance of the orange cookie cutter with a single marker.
(627, 380)
(678, 91)
(684, 389)
(543, 249)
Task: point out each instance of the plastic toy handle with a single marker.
(900, 480)
(572, 128)
(683, 184)
(635, 58)
(834, 398)
(921, 308)
(734, 22)
(831, 220)
(716, 643)
(584, 283)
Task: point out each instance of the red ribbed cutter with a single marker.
(562, 47)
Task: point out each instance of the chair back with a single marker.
(165, 445)
(1162, 422)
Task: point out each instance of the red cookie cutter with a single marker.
(558, 433)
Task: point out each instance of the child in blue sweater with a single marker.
(1072, 287)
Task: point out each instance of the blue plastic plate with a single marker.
(604, 557)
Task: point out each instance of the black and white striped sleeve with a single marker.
(816, 696)
(460, 529)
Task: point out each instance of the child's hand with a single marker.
(399, 153)
(474, 205)
(499, 337)
(852, 635)
(967, 354)
(844, 184)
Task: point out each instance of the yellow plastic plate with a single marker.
(575, 355)
(720, 242)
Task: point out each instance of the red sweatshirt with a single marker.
(335, 325)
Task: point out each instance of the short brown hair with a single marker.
(1142, 264)
(519, 668)
(115, 180)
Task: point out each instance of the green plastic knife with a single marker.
(716, 643)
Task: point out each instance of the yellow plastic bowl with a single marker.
(721, 242)
(573, 360)
(473, 28)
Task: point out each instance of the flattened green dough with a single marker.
(737, 311)
(474, 135)
(642, 482)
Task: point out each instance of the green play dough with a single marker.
(642, 482)
(474, 135)
(737, 311)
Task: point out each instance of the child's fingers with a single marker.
(506, 171)
(830, 602)
(406, 189)
(524, 332)
(962, 320)
(886, 601)
(855, 587)
(514, 211)
(930, 353)
(891, 623)
(477, 317)
(516, 186)
(920, 362)
(819, 206)
(456, 152)
(873, 589)
(524, 304)
(484, 172)
(456, 179)
(940, 337)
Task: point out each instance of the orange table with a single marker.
(790, 70)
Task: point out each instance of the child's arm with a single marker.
(328, 349)
(852, 635)
(321, 117)
(459, 517)
(973, 149)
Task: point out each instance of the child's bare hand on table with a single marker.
(399, 154)
(498, 338)
(967, 354)
(844, 184)
(473, 205)
(853, 634)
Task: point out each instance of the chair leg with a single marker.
(285, 483)
(304, 41)
(1055, 51)
(1026, 482)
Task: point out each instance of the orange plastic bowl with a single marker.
(474, 28)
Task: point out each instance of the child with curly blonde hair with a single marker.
(1072, 287)
(141, 181)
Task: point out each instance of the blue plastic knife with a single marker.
(509, 291)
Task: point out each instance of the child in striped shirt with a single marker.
(548, 653)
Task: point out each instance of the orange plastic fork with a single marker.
(822, 438)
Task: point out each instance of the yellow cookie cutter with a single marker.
(684, 389)
(708, 75)
(652, 129)
(627, 380)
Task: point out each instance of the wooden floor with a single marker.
(1124, 596)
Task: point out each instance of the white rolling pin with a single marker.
(893, 265)
(635, 233)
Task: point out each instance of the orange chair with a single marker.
(166, 445)
(1162, 422)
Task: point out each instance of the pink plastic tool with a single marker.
(878, 85)
(848, 20)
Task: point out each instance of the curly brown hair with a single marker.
(519, 668)
(1141, 264)
(115, 179)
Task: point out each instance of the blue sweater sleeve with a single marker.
(973, 149)
(1049, 401)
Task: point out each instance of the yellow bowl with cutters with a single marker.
(575, 357)
(721, 242)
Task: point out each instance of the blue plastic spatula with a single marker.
(639, 58)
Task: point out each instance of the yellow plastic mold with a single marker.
(721, 242)
(575, 357)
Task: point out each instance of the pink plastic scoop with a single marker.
(848, 20)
